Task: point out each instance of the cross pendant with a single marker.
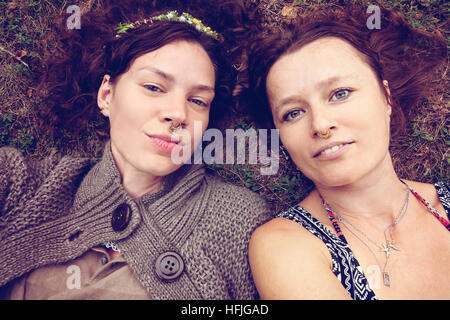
(386, 248)
(392, 245)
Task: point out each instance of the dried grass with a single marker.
(422, 153)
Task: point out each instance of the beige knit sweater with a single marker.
(52, 211)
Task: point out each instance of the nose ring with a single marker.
(173, 127)
(325, 135)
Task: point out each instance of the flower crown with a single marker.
(169, 16)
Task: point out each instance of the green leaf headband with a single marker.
(169, 16)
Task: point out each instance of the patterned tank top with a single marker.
(345, 266)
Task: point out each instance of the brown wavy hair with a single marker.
(81, 57)
(396, 52)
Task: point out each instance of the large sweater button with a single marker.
(121, 217)
(169, 266)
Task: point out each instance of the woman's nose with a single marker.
(174, 109)
(322, 123)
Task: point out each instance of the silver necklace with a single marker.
(384, 247)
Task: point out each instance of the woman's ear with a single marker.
(104, 95)
(389, 99)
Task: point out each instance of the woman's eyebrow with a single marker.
(202, 87)
(331, 81)
(170, 78)
(328, 82)
(160, 73)
(290, 99)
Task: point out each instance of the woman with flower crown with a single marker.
(136, 225)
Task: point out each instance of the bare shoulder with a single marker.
(281, 232)
(426, 191)
(284, 238)
(288, 262)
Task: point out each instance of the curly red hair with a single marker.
(76, 66)
(396, 52)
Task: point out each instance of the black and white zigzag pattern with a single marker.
(443, 191)
(345, 266)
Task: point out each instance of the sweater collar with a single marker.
(105, 175)
(102, 187)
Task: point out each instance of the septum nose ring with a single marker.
(174, 126)
(325, 135)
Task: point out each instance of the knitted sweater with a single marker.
(53, 211)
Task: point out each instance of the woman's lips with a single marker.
(332, 152)
(164, 143)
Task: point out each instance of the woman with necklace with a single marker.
(335, 91)
(136, 225)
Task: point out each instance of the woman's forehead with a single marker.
(324, 51)
(173, 50)
(175, 59)
(319, 61)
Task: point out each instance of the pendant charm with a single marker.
(386, 279)
(392, 245)
(386, 249)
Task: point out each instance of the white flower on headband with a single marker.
(171, 16)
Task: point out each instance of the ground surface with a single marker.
(420, 154)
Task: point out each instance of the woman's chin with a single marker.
(159, 168)
(335, 180)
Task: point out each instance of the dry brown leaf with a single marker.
(21, 54)
(290, 11)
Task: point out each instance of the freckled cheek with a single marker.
(295, 143)
(375, 122)
(132, 115)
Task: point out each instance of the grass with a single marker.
(421, 154)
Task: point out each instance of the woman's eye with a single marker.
(291, 115)
(199, 102)
(152, 87)
(340, 94)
